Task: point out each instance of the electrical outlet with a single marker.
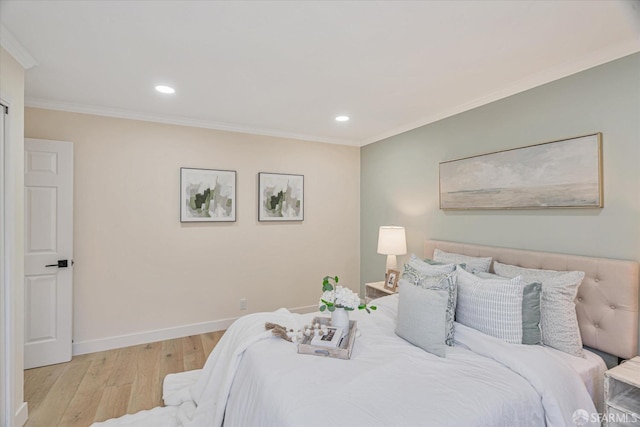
(243, 303)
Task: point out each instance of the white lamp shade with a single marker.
(392, 241)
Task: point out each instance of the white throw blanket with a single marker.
(202, 404)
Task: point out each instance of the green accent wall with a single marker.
(399, 175)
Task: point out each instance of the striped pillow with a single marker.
(491, 306)
(530, 309)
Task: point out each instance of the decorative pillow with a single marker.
(473, 264)
(444, 282)
(558, 320)
(415, 269)
(492, 306)
(438, 277)
(422, 317)
(432, 262)
(530, 309)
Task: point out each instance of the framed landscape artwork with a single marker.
(558, 174)
(280, 197)
(207, 195)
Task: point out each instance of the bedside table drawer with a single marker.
(622, 394)
(375, 290)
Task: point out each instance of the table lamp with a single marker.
(392, 242)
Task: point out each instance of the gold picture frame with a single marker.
(391, 281)
(566, 173)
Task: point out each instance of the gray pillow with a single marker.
(422, 317)
(530, 309)
(558, 319)
(434, 276)
(491, 306)
(472, 263)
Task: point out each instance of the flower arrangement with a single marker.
(336, 296)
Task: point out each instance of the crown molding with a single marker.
(13, 46)
(565, 69)
(176, 120)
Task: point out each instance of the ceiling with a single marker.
(288, 68)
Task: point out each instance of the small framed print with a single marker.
(207, 195)
(392, 280)
(281, 197)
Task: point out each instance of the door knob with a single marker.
(62, 263)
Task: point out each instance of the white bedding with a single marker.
(390, 382)
(591, 370)
(482, 382)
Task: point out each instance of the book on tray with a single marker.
(331, 338)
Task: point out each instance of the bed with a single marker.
(254, 379)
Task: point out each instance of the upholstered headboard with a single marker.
(607, 301)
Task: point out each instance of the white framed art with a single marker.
(207, 195)
(280, 197)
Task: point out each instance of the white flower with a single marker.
(341, 297)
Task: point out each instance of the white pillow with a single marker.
(558, 319)
(472, 263)
(491, 306)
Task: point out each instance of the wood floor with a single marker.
(98, 386)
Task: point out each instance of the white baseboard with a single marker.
(92, 346)
(22, 415)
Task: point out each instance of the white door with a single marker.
(48, 257)
(5, 348)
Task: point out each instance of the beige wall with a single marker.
(138, 269)
(12, 91)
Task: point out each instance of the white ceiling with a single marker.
(287, 68)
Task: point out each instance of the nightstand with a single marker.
(622, 394)
(375, 290)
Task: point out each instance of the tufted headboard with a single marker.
(607, 301)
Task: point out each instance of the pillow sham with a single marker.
(491, 306)
(472, 263)
(531, 334)
(422, 317)
(437, 277)
(558, 319)
(444, 282)
(416, 268)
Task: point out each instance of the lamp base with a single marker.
(392, 264)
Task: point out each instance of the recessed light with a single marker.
(342, 119)
(165, 89)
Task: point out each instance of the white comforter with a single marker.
(482, 382)
(253, 381)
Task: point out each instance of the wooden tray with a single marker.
(341, 352)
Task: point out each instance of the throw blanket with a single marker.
(202, 404)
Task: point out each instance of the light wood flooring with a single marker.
(98, 386)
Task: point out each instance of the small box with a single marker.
(341, 352)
